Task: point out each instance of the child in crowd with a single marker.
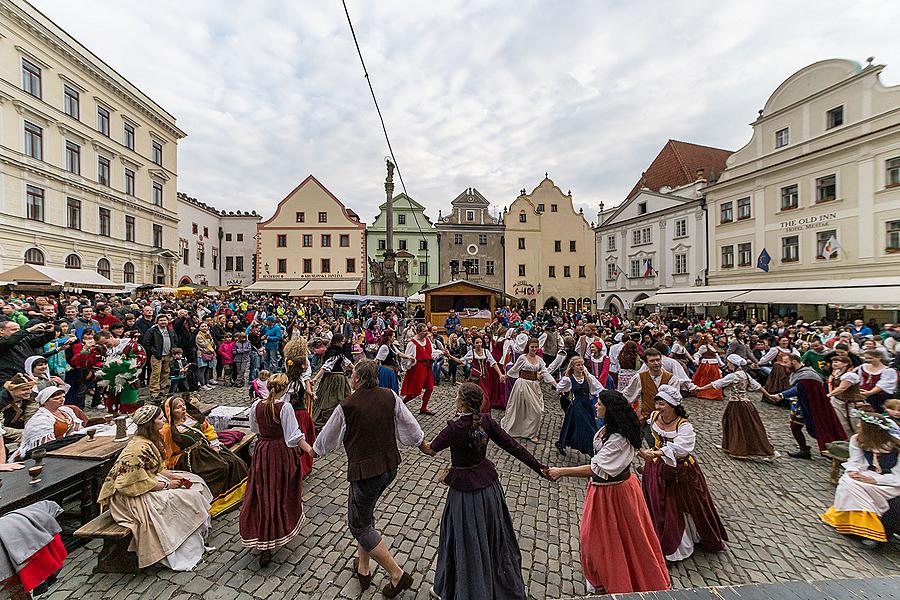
(178, 372)
(226, 358)
(892, 410)
(241, 353)
(259, 388)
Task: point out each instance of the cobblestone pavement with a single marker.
(769, 509)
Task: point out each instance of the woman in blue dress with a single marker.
(580, 424)
(388, 359)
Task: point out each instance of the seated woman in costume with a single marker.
(193, 446)
(53, 420)
(38, 369)
(870, 481)
(166, 511)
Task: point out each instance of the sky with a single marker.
(488, 94)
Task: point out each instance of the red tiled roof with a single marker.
(677, 164)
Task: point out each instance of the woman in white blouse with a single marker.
(680, 505)
(777, 376)
(579, 425)
(526, 401)
(878, 382)
(620, 552)
(483, 364)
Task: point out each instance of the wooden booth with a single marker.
(473, 302)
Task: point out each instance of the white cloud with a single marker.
(487, 94)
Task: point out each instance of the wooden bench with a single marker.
(114, 557)
(242, 448)
(836, 462)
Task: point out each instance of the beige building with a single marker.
(818, 189)
(89, 161)
(313, 245)
(549, 250)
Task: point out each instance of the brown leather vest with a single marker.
(649, 389)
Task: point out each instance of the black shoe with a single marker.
(870, 544)
(364, 580)
(801, 453)
(392, 591)
(265, 557)
(560, 449)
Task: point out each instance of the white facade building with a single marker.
(215, 248)
(88, 162)
(653, 240)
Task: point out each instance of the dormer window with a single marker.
(834, 117)
(470, 215)
(642, 208)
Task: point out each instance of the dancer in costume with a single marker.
(388, 359)
(300, 393)
(778, 378)
(118, 373)
(707, 356)
(743, 432)
(620, 552)
(483, 364)
(272, 512)
(419, 377)
(478, 554)
(526, 402)
(810, 408)
(580, 423)
(674, 486)
(334, 385)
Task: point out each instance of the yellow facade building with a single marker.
(89, 161)
(549, 250)
(312, 245)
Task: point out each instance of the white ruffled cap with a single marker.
(46, 393)
(670, 394)
(736, 360)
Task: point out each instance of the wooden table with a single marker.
(60, 476)
(100, 448)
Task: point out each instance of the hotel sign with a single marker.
(523, 288)
(811, 222)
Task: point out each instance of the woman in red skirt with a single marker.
(419, 377)
(620, 552)
(272, 513)
(300, 394)
(707, 357)
(486, 373)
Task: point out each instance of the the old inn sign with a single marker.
(811, 222)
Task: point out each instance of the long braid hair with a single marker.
(277, 385)
(470, 399)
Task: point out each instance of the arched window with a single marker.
(73, 261)
(103, 267)
(159, 275)
(128, 273)
(33, 256)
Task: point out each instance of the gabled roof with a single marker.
(311, 179)
(474, 284)
(463, 198)
(677, 164)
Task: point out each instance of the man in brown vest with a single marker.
(369, 423)
(644, 387)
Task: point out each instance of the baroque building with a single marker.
(471, 241)
(656, 238)
(415, 242)
(312, 245)
(89, 162)
(549, 250)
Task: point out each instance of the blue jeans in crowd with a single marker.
(271, 359)
(436, 370)
(254, 364)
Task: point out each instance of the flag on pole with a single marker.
(762, 263)
(648, 268)
(830, 247)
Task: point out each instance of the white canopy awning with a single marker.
(74, 279)
(304, 287)
(700, 297)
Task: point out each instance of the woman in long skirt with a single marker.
(388, 360)
(482, 364)
(680, 505)
(580, 423)
(707, 357)
(300, 394)
(478, 554)
(778, 379)
(334, 385)
(743, 432)
(511, 353)
(620, 552)
(871, 479)
(843, 390)
(526, 402)
(272, 513)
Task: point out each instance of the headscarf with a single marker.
(46, 393)
(18, 382)
(670, 394)
(29, 364)
(145, 414)
(736, 360)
